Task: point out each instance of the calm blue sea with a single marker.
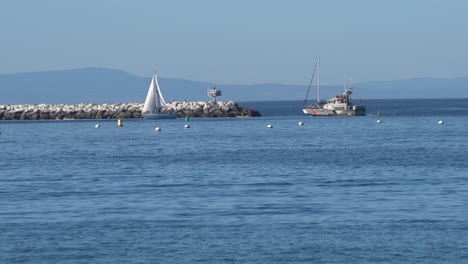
(231, 190)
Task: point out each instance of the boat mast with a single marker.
(310, 85)
(318, 81)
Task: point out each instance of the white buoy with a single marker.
(157, 129)
(269, 126)
(440, 122)
(379, 121)
(97, 126)
(187, 126)
(301, 123)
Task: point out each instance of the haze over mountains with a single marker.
(99, 85)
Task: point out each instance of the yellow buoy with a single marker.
(119, 122)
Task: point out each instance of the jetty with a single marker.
(120, 110)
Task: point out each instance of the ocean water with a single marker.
(231, 190)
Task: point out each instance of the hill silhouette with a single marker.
(100, 85)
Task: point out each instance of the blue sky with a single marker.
(239, 42)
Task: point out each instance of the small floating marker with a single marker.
(97, 126)
(379, 121)
(119, 122)
(269, 126)
(187, 126)
(440, 122)
(157, 129)
(187, 118)
(301, 123)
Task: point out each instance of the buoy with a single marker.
(187, 118)
(301, 123)
(157, 129)
(379, 121)
(119, 122)
(97, 126)
(379, 113)
(440, 122)
(269, 126)
(187, 126)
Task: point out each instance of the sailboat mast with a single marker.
(318, 81)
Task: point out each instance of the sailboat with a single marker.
(340, 105)
(155, 102)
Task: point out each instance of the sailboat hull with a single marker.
(159, 116)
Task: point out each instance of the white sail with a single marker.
(154, 99)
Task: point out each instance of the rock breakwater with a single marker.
(123, 110)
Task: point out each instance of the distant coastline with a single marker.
(100, 85)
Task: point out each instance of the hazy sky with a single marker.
(240, 41)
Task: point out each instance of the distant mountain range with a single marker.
(98, 85)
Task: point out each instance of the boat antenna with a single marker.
(318, 81)
(310, 83)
